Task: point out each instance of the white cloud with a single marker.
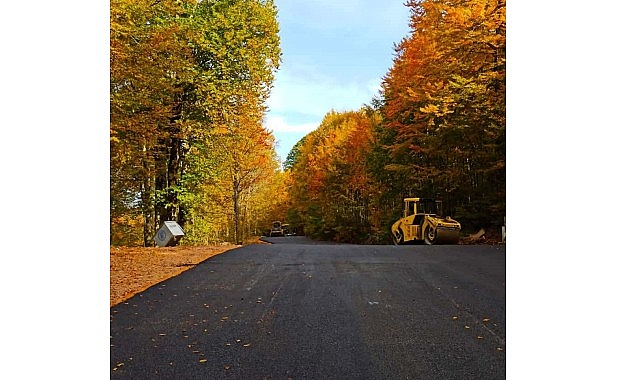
(278, 125)
(375, 86)
(300, 101)
(315, 95)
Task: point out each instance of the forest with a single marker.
(189, 84)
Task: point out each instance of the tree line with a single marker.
(189, 82)
(437, 129)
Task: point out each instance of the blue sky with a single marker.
(335, 53)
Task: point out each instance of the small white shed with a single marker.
(169, 234)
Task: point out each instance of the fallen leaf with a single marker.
(202, 361)
(486, 319)
(454, 318)
(227, 367)
(246, 345)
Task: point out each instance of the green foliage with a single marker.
(188, 85)
(293, 154)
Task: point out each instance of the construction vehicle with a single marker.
(422, 222)
(277, 229)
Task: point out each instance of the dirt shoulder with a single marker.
(134, 269)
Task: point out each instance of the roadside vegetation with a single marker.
(189, 83)
(436, 130)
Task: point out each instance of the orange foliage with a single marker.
(331, 185)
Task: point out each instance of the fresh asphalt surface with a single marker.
(305, 310)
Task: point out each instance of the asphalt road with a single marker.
(302, 310)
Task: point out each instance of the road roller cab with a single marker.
(422, 222)
(277, 229)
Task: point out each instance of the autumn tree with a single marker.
(436, 130)
(443, 107)
(330, 189)
(146, 57)
(251, 162)
(186, 77)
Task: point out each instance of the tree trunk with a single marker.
(147, 200)
(236, 196)
(169, 160)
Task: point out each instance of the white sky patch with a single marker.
(278, 124)
(286, 133)
(375, 87)
(315, 96)
(301, 97)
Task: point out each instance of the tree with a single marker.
(146, 57)
(443, 107)
(182, 75)
(330, 189)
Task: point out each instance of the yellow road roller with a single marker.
(422, 223)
